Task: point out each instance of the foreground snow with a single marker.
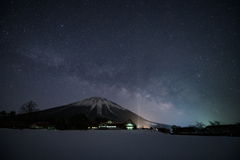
(114, 145)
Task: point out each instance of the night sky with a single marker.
(173, 62)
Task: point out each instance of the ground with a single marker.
(114, 145)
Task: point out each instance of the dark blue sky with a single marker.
(174, 62)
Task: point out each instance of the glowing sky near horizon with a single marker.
(173, 62)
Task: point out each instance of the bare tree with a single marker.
(200, 125)
(215, 123)
(28, 107)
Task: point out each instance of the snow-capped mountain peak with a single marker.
(99, 104)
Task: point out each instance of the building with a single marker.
(92, 126)
(41, 125)
(163, 130)
(129, 125)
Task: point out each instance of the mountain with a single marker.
(96, 107)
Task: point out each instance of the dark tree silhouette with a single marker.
(3, 113)
(174, 128)
(78, 122)
(28, 107)
(61, 124)
(215, 123)
(238, 123)
(199, 127)
(12, 113)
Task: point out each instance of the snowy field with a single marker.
(113, 145)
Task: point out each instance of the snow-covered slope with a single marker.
(99, 104)
(97, 107)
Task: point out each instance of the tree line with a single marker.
(26, 108)
(214, 128)
(201, 125)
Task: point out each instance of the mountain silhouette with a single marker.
(96, 107)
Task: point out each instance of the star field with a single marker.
(174, 62)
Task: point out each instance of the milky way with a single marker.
(174, 62)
